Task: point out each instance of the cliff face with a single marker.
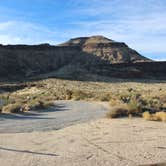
(107, 49)
(30, 60)
(152, 70)
(96, 54)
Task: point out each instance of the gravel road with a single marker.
(63, 114)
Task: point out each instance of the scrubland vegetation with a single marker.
(150, 106)
(126, 98)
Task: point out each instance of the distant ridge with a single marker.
(75, 58)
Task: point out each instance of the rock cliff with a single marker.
(95, 54)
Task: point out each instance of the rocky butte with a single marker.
(78, 56)
(107, 49)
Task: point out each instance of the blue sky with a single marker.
(141, 24)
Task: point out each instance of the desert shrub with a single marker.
(105, 97)
(138, 104)
(36, 105)
(134, 108)
(125, 98)
(25, 108)
(1, 107)
(117, 112)
(161, 116)
(5, 99)
(151, 104)
(45, 104)
(12, 108)
(46, 98)
(79, 95)
(114, 102)
(158, 116)
(155, 103)
(130, 89)
(68, 94)
(32, 104)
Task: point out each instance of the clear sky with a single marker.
(139, 23)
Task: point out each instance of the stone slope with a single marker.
(96, 55)
(30, 60)
(107, 49)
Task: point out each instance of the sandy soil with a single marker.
(103, 142)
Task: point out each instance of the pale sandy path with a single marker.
(119, 142)
(63, 114)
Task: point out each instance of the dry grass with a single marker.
(124, 110)
(15, 103)
(137, 95)
(19, 107)
(79, 95)
(158, 116)
(12, 108)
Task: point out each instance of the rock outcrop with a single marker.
(95, 54)
(30, 60)
(107, 49)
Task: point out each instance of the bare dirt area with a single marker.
(60, 115)
(115, 142)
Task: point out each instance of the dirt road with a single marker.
(63, 114)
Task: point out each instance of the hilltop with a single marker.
(107, 49)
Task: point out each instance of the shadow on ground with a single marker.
(34, 114)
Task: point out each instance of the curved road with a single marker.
(63, 114)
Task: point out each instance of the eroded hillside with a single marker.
(75, 58)
(107, 49)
